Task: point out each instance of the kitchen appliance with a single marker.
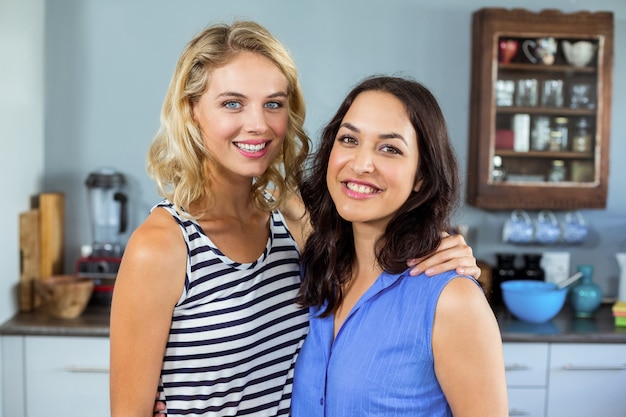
(108, 218)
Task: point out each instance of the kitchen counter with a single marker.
(93, 322)
(564, 328)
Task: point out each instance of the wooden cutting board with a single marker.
(29, 259)
(41, 244)
(51, 232)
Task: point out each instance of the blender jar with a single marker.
(107, 212)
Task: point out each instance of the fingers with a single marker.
(452, 254)
(159, 407)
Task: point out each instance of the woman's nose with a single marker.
(256, 120)
(363, 162)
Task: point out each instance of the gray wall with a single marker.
(108, 64)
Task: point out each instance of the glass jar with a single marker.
(560, 125)
(532, 268)
(581, 140)
(557, 171)
(504, 271)
(540, 137)
(498, 174)
(556, 141)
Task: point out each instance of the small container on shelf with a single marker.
(498, 174)
(581, 139)
(557, 171)
(532, 268)
(556, 141)
(521, 132)
(540, 136)
(560, 125)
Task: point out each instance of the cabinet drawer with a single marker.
(526, 364)
(527, 402)
(69, 375)
(587, 380)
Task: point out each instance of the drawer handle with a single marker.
(571, 367)
(87, 369)
(516, 367)
(518, 412)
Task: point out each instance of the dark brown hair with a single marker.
(414, 231)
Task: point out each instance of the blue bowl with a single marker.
(533, 301)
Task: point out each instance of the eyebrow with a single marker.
(278, 94)
(390, 135)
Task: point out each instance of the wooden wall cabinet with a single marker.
(521, 131)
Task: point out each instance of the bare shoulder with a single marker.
(463, 300)
(155, 257)
(297, 219)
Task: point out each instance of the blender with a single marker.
(108, 214)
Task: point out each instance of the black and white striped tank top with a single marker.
(236, 330)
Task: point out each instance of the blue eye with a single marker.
(274, 105)
(232, 105)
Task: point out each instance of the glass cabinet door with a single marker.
(540, 109)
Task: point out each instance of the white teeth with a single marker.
(251, 148)
(361, 189)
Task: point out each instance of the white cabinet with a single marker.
(566, 379)
(62, 376)
(587, 380)
(526, 378)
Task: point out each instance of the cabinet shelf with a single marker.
(550, 111)
(567, 69)
(499, 110)
(545, 154)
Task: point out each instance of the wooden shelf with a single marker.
(586, 182)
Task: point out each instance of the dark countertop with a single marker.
(93, 322)
(564, 328)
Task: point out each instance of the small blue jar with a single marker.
(586, 296)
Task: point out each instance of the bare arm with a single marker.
(297, 219)
(147, 287)
(467, 348)
(452, 254)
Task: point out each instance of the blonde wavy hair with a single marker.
(177, 154)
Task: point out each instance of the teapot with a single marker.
(578, 53)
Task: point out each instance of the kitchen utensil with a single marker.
(64, 296)
(518, 228)
(579, 54)
(570, 281)
(542, 50)
(533, 301)
(507, 48)
(552, 93)
(108, 212)
(526, 92)
(547, 229)
(574, 228)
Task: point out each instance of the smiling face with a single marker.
(373, 164)
(243, 115)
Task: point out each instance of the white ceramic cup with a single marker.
(578, 54)
(547, 230)
(518, 228)
(574, 228)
